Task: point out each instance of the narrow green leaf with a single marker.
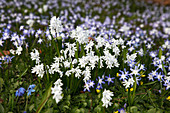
(31, 107)
(160, 53)
(46, 96)
(150, 83)
(1, 108)
(24, 72)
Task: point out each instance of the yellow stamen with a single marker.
(143, 75)
(97, 90)
(168, 98)
(117, 74)
(141, 83)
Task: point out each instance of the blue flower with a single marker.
(30, 89)
(98, 87)
(124, 75)
(135, 71)
(100, 82)
(121, 110)
(86, 87)
(109, 79)
(159, 76)
(20, 92)
(91, 83)
(8, 58)
(0, 64)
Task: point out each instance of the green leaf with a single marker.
(97, 109)
(1, 82)
(133, 109)
(46, 96)
(31, 107)
(1, 109)
(150, 83)
(24, 72)
(152, 110)
(49, 110)
(160, 53)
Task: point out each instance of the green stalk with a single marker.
(77, 85)
(72, 77)
(26, 103)
(82, 50)
(129, 97)
(76, 53)
(134, 91)
(161, 92)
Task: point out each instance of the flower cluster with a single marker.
(57, 90)
(106, 99)
(21, 90)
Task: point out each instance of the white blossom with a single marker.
(106, 99)
(35, 56)
(55, 26)
(39, 70)
(18, 51)
(57, 91)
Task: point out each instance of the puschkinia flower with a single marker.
(109, 79)
(55, 26)
(57, 91)
(20, 92)
(106, 99)
(31, 89)
(19, 49)
(1, 42)
(35, 56)
(39, 70)
(131, 57)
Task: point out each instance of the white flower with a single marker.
(89, 46)
(39, 70)
(57, 91)
(66, 64)
(30, 22)
(107, 98)
(130, 57)
(78, 72)
(58, 82)
(55, 25)
(141, 52)
(18, 51)
(12, 51)
(125, 28)
(131, 81)
(126, 84)
(80, 35)
(71, 49)
(35, 56)
(45, 8)
(87, 74)
(167, 30)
